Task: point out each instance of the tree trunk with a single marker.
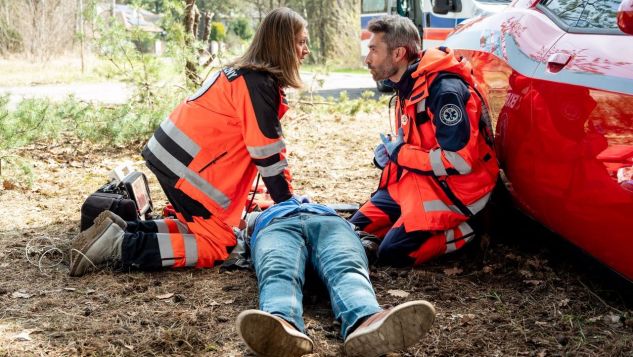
(190, 22)
(341, 33)
(206, 22)
(316, 23)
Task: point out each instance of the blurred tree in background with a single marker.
(217, 33)
(42, 29)
(242, 28)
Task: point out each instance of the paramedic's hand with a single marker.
(381, 157)
(393, 146)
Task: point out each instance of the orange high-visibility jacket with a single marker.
(215, 141)
(440, 187)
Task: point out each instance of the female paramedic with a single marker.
(206, 154)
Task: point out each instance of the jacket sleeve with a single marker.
(263, 136)
(449, 106)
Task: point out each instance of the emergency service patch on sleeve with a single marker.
(451, 114)
(451, 122)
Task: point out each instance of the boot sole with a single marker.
(266, 336)
(87, 238)
(403, 327)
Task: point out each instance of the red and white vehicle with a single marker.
(559, 80)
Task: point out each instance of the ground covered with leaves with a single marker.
(518, 292)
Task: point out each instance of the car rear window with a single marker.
(584, 15)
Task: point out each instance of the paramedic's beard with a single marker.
(382, 73)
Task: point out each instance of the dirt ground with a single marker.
(518, 293)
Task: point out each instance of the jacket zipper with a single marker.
(213, 161)
(451, 196)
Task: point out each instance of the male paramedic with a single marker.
(440, 168)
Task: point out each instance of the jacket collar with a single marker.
(431, 62)
(405, 85)
(435, 60)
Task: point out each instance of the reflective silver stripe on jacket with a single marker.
(191, 250)
(167, 252)
(179, 137)
(450, 241)
(458, 162)
(163, 228)
(436, 162)
(182, 227)
(467, 236)
(440, 206)
(165, 249)
(479, 204)
(264, 151)
(454, 158)
(205, 86)
(274, 169)
(421, 106)
(187, 174)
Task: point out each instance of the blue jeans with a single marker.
(281, 252)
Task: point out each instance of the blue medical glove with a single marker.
(393, 147)
(381, 157)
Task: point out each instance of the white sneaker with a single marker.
(269, 335)
(391, 330)
(98, 244)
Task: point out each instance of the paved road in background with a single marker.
(118, 93)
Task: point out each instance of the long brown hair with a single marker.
(273, 47)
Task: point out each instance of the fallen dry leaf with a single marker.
(453, 271)
(8, 185)
(613, 319)
(525, 273)
(398, 293)
(24, 335)
(20, 295)
(533, 282)
(164, 296)
(467, 318)
(488, 269)
(595, 319)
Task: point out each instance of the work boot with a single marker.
(370, 244)
(391, 330)
(97, 245)
(118, 220)
(269, 335)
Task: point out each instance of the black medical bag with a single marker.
(129, 198)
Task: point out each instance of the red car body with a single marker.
(559, 79)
